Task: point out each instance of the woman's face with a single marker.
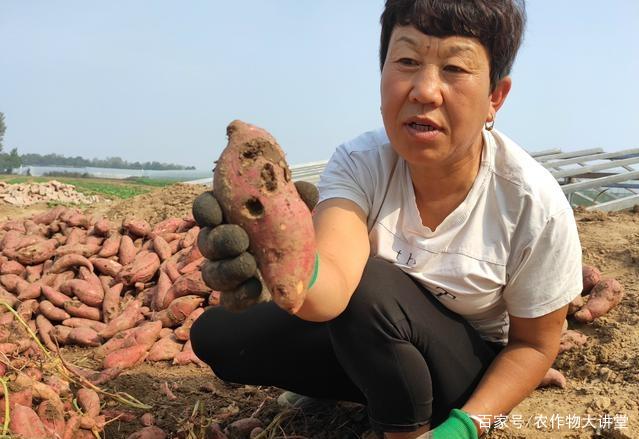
(436, 97)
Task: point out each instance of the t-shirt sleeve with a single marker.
(548, 275)
(347, 176)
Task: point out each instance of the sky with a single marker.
(160, 80)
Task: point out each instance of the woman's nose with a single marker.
(426, 87)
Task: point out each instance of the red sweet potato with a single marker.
(52, 312)
(37, 253)
(253, 185)
(85, 250)
(12, 267)
(183, 332)
(163, 285)
(110, 246)
(162, 248)
(45, 327)
(111, 302)
(136, 227)
(60, 334)
(125, 357)
(78, 322)
(66, 262)
(28, 290)
(102, 227)
(51, 414)
(24, 422)
(127, 250)
(49, 216)
(61, 278)
(178, 310)
(165, 349)
(188, 356)
(27, 308)
(89, 402)
(6, 296)
(169, 225)
(125, 320)
(79, 309)
(75, 236)
(34, 272)
(54, 296)
(603, 297)
(107, 266)
(142, 269)
(89, 294)
(84, 336)
(591, 276)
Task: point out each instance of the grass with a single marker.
(110, 188)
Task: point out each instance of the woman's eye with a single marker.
(454, 69)
(407, 62)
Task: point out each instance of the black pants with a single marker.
(395, 348)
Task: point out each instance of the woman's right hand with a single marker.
(231, 268)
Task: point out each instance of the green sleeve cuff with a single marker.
(315, 272)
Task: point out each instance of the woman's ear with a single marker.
(498, 95)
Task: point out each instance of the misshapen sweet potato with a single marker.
(142, 269)
(253, 185)
(178, 310)
(89, 402)
(591, 276)
(603, 297)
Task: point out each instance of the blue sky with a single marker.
(160, 80)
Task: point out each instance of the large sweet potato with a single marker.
(603, 297)
(142, 269)
(66, 262)
(37, 253)
(89, 294)
(110, 246)
(253, 185)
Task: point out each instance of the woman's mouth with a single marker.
(422, 127)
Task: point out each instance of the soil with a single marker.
(603, 383)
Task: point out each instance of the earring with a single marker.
(489, 125)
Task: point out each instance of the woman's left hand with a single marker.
(457, 426)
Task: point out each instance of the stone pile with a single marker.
(25, 194)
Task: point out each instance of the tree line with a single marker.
(13, 160)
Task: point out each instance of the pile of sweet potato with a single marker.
(129, 290)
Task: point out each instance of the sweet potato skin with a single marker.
(253, 185)
(603, 297)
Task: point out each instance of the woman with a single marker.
(447, 255)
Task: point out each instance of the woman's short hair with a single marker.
(497, 24)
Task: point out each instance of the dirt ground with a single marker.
(603, 383)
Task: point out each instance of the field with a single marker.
(603, 381)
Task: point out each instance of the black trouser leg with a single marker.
(413, 359)
(394, 348)
(266, 346)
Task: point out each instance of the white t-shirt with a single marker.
(511, 247)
